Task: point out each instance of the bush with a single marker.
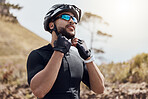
(11, 72)
(135, 70)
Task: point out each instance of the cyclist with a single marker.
(54, 70)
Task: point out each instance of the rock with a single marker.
(112, 91)
(120, 91)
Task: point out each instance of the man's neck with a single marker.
(54, 37)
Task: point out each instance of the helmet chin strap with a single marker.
(55, 29)
(57, 33)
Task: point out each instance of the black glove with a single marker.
(82, 49)
(62, 44)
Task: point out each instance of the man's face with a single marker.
(66, 27)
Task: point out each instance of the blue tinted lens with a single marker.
(67, 17)
(74, 19)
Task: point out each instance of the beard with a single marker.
(65, 33)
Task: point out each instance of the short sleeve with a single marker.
(85, 78)
(34, 65)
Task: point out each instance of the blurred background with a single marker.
(115, 30)
(127, 23)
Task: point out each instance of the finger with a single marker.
(74, 41)
(80, 41)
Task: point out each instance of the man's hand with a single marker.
(82, 49)
(62, 44)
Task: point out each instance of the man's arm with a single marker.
(43, 81)
(95, 77)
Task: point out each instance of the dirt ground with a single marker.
(112, 91)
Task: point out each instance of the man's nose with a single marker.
(71, 20)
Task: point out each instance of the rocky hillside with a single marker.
(16, 42)
(119, 91)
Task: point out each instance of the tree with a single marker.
(5, 9)
(91, 22)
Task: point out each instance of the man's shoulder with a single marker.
(44, 49)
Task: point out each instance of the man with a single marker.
(55, 71)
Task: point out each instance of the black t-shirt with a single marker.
(71, 73)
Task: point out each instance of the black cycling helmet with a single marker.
(57, 9)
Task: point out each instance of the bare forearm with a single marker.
(43, 81)
(96, 78)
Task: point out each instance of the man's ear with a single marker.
(51, 25)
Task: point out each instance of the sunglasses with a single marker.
(67, 18)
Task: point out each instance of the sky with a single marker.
(128, 24)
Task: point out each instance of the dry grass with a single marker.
(135, 70)
(16, 42)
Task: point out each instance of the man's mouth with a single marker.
(71, 27)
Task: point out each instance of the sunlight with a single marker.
(123, 7)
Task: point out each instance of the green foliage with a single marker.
(135, 70)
